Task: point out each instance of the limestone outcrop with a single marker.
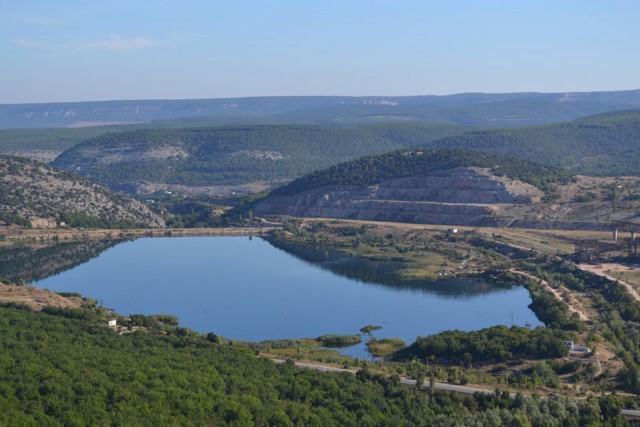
(458, 196)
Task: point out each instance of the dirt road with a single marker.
(574, 305)
(601, 270)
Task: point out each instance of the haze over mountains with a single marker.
(475, 109)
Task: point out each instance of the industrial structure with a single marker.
(591, 250)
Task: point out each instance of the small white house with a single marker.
(113, 322)
(581, 349)
(577, 348)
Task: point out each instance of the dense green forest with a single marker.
(602, 145)
(235, 155)
(598, 145)
(374, 169)
(17, 141)
(497, 343)
(65, 367)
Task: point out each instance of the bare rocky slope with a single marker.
(32, 193)
(456, 187)
(462, 196)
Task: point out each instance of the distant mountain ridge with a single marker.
(477, 109)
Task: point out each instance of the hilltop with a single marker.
(32, 193)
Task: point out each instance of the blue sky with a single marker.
(158, 49)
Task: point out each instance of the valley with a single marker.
(421, 252)
(322, 214)
(372, 251)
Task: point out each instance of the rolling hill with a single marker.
(32, 193)
(601, 145)
(454, 187)
(226, 159)
(252, 158)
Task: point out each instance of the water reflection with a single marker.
(248, 290)
(382, 273)
(30, 263)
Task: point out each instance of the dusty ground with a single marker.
(553, 241)
(601, 208)
(36, 298)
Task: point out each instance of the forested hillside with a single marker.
(66, 367)
(234, 155)
(32, 193)
(272, 154)
(603, 145)
(88, 120)
(371, 170)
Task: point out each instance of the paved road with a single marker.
(631, 413)
(405, 381)
(439, 386)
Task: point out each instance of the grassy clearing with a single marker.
(385, 346)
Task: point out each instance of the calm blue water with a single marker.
(246, 289)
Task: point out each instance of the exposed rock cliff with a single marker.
(458, 196)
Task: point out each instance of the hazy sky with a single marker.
(135, 49)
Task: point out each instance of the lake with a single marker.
(249, 289)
